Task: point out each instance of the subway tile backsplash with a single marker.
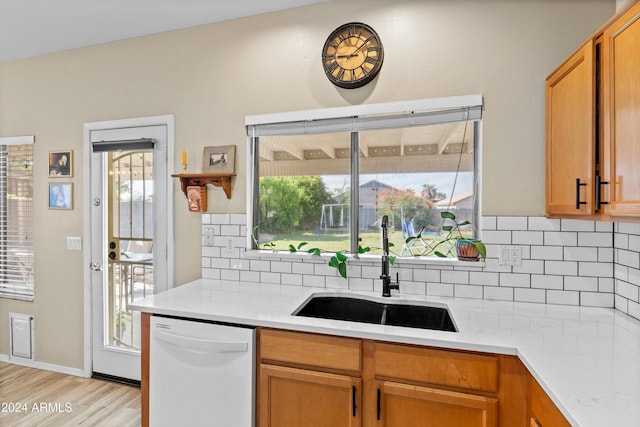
(570, 262)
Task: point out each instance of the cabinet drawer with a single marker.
(426, 365)
(338, 353)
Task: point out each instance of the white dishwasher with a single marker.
(200, 374)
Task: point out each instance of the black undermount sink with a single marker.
(366, 310)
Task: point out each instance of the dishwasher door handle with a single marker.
(199, 344)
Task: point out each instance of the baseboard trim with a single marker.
(44, 366)
(114, 379)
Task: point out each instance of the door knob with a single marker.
(95, 266)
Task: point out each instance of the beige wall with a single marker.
(211, 77)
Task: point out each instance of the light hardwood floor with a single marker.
(51, 399)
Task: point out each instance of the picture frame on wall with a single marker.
(61, 195)
(61, 164)
(219, 159)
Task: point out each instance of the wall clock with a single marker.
(352, 55)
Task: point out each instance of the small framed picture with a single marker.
(219, 159)
(61, 164)
(61, 195)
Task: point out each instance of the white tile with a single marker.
(547, 282)
(627, 290)
(230, 275)
(336, 282)
(595, 239)
(527, 238)
(302, 268)
(576, 253)
(555, 253)
(606, 285)
(621, 303)
(488, 223)
(567, 238)
(634, 310)
(496, 237)
(596, 299)
(312, 280)
(595, 269)
(249, 276)
(605, 254)
(211, 251)
(372, 272)
(530, 295)
(620, 272)
(230, 230)
(541, 223)
(291, 279)
(259, 265)
(621, 241)
(605, 227)
(633, 276)
(628, 258)
(223, 263)
(467, 291)
(459, 277)
(502, 294)
(270, 278)
(634, 243)
(572, 283)
(414, 288)
(563, 297)
(326, 270)
(280, 267)
(361, 284)
(564, 268)
(206, 262)
(239, 219)
(484, 278)
(440, 289)
(577, 225)
(512, 223)
(220, 218)
(515, 280)
(211, 273)
(628, 228)
(530, 266)
(205, 219)
(428, 275)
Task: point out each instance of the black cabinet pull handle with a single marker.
(599, 184)
(353, 401)
(578, 185)
(378, 407)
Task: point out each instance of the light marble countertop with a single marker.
(586, 359)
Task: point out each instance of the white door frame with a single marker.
(168, 121)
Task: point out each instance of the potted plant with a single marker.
(450, 238)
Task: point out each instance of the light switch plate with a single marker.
(74, 243)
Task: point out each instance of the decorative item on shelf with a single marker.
(219, 160)
(448, 240)
(184, 162)
(197, 198)
(222, 180)
(61, 164)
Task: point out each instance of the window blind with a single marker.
(16, 218)
(355, 124)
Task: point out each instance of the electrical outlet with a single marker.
(208, 235)
(230, 247)
(510, 255)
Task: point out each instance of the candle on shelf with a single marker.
(184, 162)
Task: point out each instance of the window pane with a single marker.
(16, 218)
(410, 174)
(304, 191)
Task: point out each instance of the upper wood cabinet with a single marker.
(593, 126)
(571, 139)
(621, 102)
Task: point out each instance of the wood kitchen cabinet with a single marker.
(315, 380)
(571, 139)
(593, 124)
(542, 411)
(621, 112)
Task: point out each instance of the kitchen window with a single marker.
(16, 218)
(328, 178)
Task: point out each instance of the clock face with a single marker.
(352, 55)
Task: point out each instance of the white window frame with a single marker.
(5, 291)
(390, 108)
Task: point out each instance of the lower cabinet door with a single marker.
(290, 397)
(400, 405)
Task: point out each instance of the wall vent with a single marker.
(21, 336)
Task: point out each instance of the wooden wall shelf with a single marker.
(222, 180)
